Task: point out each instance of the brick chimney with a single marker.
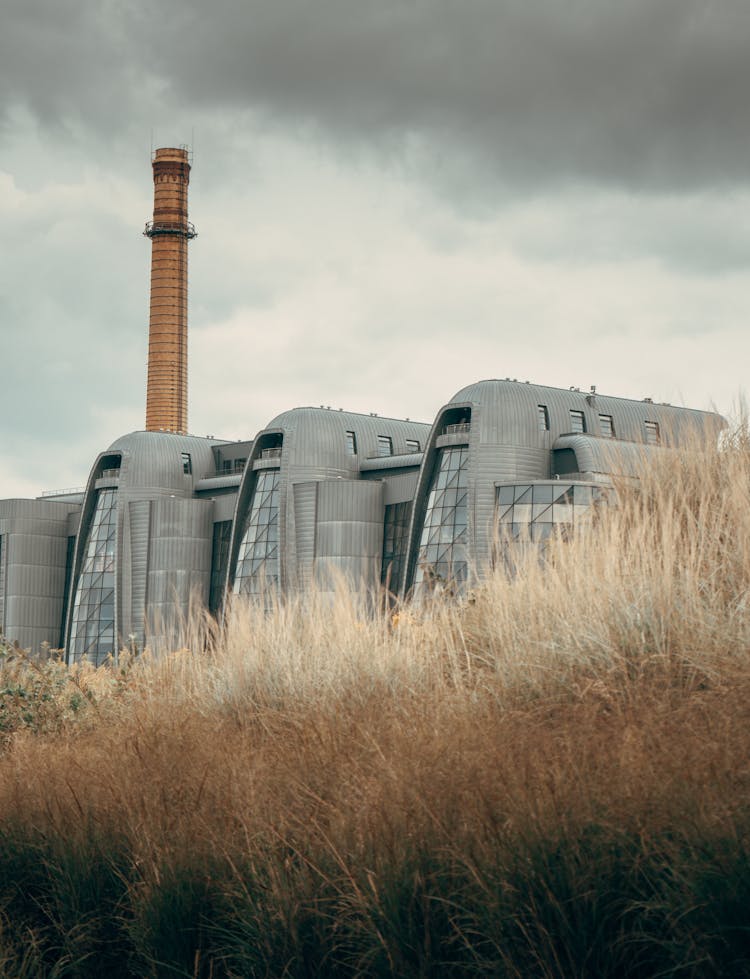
(169, 231)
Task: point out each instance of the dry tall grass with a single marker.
(550, 778)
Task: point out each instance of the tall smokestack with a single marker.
(170, 231)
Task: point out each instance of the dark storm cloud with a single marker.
(650, 93)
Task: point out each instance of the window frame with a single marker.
(385, 442)
(542, 412)
(653, 432)
(610, 420)
(577, 414)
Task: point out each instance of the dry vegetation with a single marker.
(550, 778)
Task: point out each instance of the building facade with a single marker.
(318, 496)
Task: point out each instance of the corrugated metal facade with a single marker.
(349, 534)
(151, 471)
(34, 550)
(315, 445)
(508, 440)
(335, 474)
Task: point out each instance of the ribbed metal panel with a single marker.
(179, 562)
(152, 462)
(217, 483)
(305, 510)
(509, 414)
(315, 448)
(607, 456)
(321, 434)
(35, 544)
(507, 443)
(349, 533)
(134, 610)
(149, 466)
(392, 462)
(359, 573)
(400, 488)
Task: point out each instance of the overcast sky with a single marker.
(394, 198)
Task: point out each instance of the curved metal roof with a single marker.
(153, 460)
(321, 432)
(612, 457)
(509, 413)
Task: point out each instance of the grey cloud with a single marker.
(638, 94)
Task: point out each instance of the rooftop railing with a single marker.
(68, 491)
(459, 428)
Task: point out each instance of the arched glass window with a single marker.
(92, 634)
(258, 557)
(442, 547)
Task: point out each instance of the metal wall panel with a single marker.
(35, 544)
(400, 488)
(134, 609)
(506, 443)
(305, 513)
(314, 448)
(349, 533)
(612, 457)
(179, 562)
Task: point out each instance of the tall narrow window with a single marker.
(606, 426)
(395, 538)
(351, 443)
(187, 463)
(69, 555)
(92, 632)
(258, 557)
(412, 445)
(577, 421)
(441, 558)
(219, 560)
(653, 435)
(2, 587)
(385, 445)
(543, 418)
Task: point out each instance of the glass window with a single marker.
(606, 426)
(542, 493)
(69, 555)
(412, 445)
(543, 417)
(559, 503)
(441, 558)
(219, 560)
(385, 445)
(92, 633)
(2, 587)
(395, 536)
(239, 465)
(351, 443)
(187, 463)
(653, 435)
(577, 421)
(258, 556)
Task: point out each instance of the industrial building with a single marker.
(318, 495)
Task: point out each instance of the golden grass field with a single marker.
(547, 777)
